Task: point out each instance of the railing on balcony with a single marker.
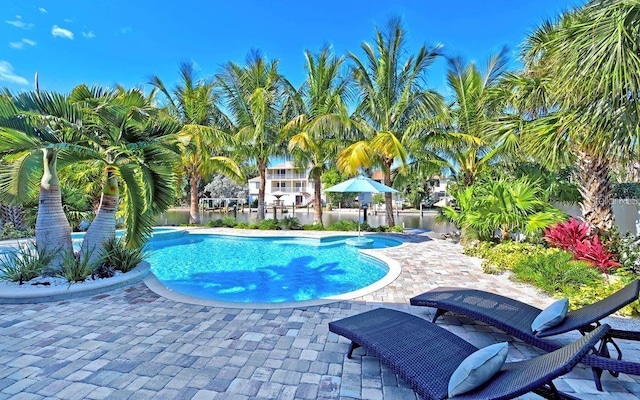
(288, 175)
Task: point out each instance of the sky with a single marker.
(69, 42)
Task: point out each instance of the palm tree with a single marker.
(205, 134)
(35, 127)
(128, 141)
(324, 117)
(393, 105)
(579, 95)
(260, 102)
(477, 102)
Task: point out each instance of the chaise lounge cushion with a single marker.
(478, 368)
(550, 316)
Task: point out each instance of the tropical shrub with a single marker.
(290, 223)
(592, 251)
(628, 249)
(344, 225)
(120, 257)
(313, 227)
(268, 224)
(573, 236)
(566, 235)
(502, 205)
(9, 231)
(228, 222)
(23, 263)
(214, 223)
(242, 225)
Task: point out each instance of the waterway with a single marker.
(410, 219)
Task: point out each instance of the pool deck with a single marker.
(134, 344)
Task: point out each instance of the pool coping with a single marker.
(156, 285)
(40, 294)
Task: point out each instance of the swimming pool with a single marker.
(264, 270)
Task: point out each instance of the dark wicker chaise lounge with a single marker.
(426, 355)
(515, 318)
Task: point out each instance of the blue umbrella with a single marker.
(360, 184)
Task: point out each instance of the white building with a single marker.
(285, 183)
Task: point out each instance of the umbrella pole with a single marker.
(358, 221)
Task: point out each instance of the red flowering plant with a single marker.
(573, 236)
(566, 235)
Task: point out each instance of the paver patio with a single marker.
(133, 344)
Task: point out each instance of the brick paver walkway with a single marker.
(134, 344)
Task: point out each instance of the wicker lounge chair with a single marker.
(426, 355)
(515, 318)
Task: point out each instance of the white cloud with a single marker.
(68, 20)
(42, 10)
(89, 35)
(56, 31)
(19, 23)
(7, 74)
(19, 45)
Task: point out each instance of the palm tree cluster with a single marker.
(573, 104)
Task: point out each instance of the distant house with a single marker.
(284, 183)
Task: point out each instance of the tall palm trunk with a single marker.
(596, 189)
(194, 212)
(53, 233)
(388, 197)
(103, 227)
(317, 200)
(261, 190)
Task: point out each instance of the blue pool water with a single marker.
(264, 270)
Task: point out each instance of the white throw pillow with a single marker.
(550, 316)
(478, 368)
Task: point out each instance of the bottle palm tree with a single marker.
(392, 104)
(205, 134)
(260, 101)
(579, 93)
(135, 149)
(35, 127)
(318, 129)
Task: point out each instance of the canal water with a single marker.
(409, 219)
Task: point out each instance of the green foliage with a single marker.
(552, 270)
(377, 198)
(242, 225)
(9, 231)
(330, 178)
(503, 256)
(628, 250)
(23, 263)
(121, 257)
(76, 267)
(290, 223)
(268, 225)
(229, 222)
(313, 227)
(214, 223)
(555, 272)
(344, 225)
(502, 205)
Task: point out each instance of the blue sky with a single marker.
(69, 42)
